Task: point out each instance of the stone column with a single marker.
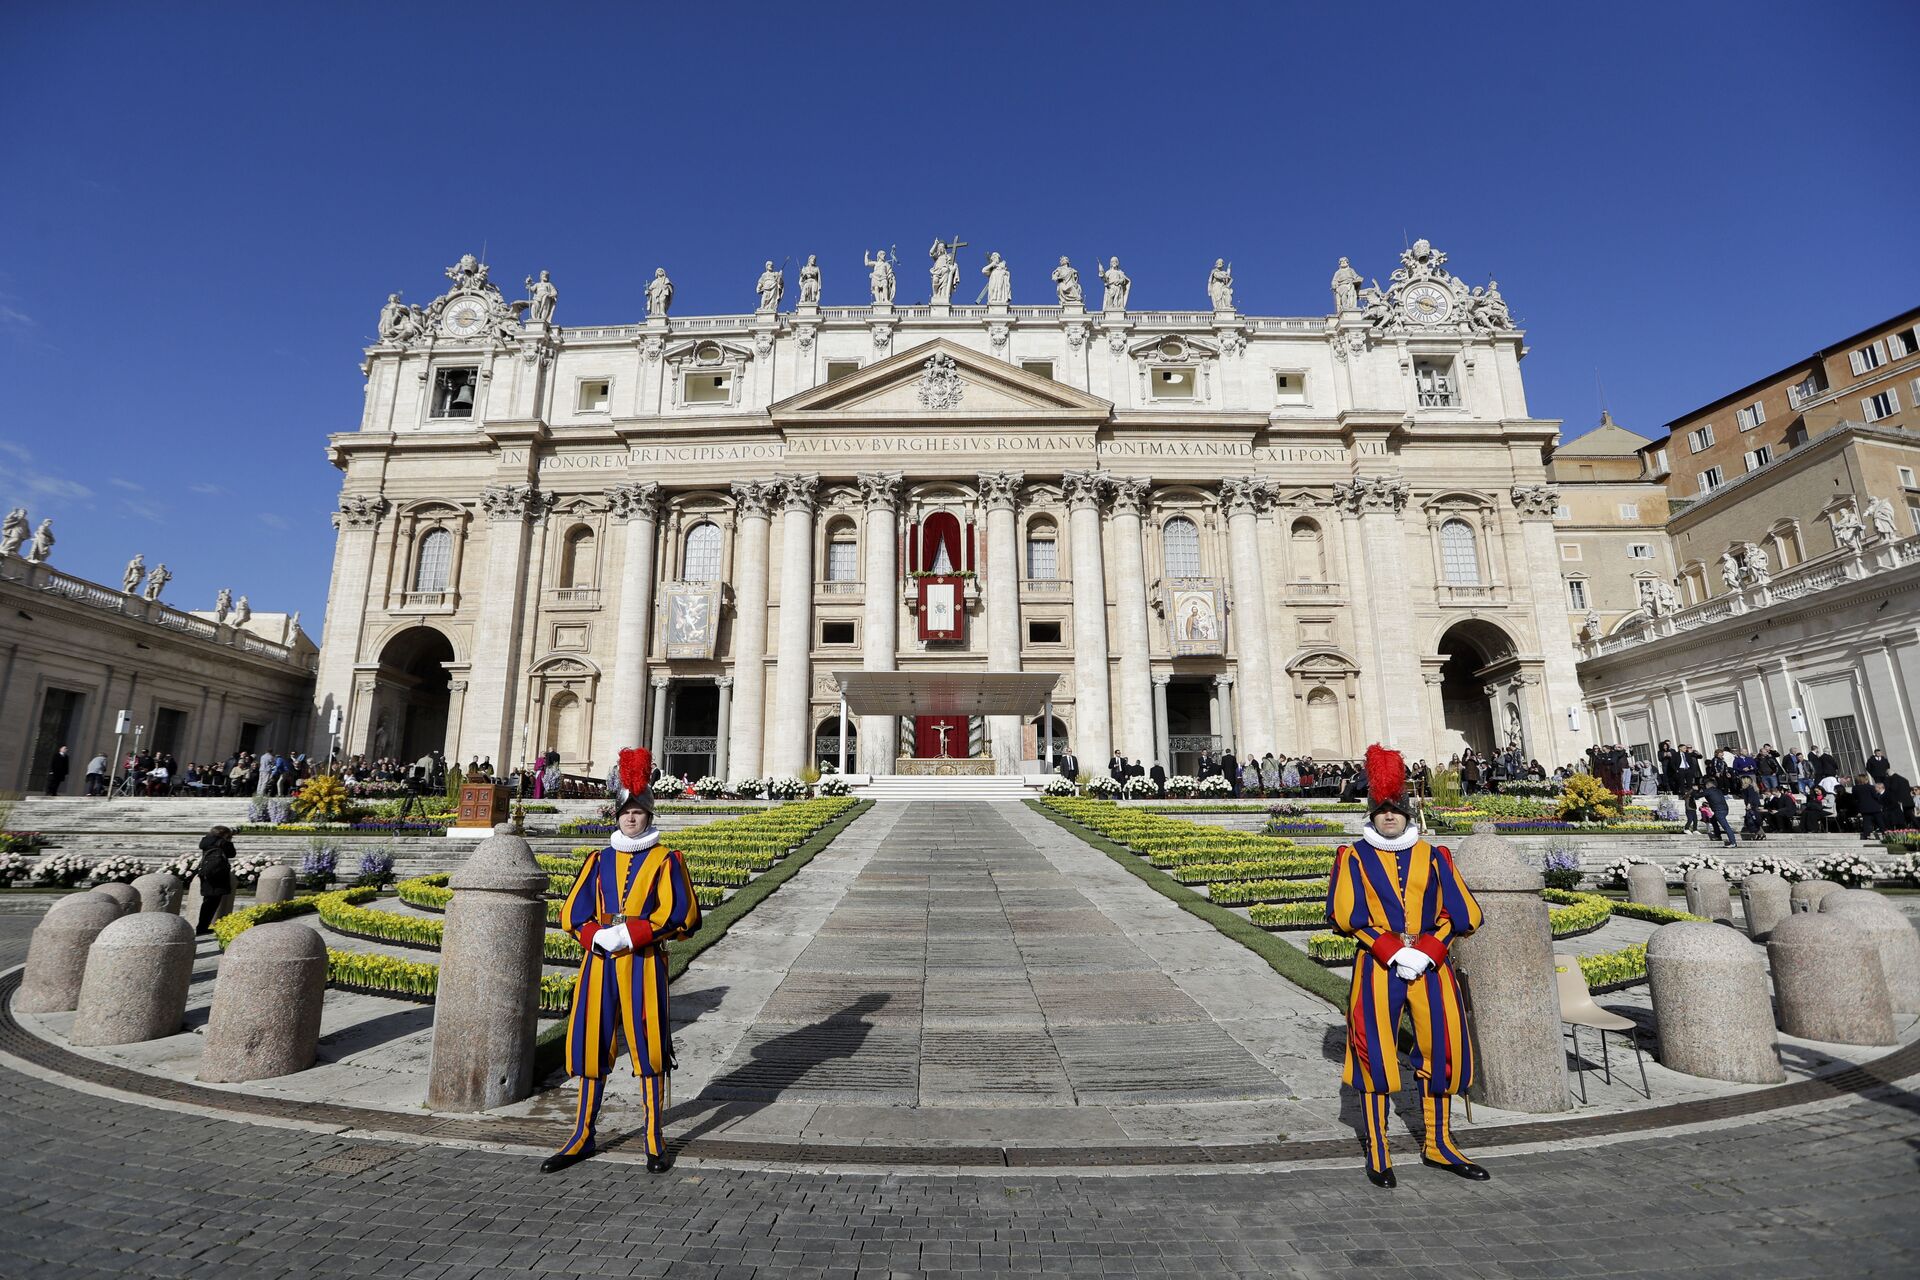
(1708, 895)
(751, 502)
(485, 1011)
(1828, 981)
(880, 490)
(1521, 1062)
(1379, 501)
(637, 505)
(999, 490)
(1093, 726)
(57, 953)
(1647, 885)
(266, 1004)
(135, 986)
(1711, 1004)
(159, 891)
(790, 746)
(657, 723)
(1244, 497)
(276, 885)
(1765, 900)
(1534, 504)
(725, 685)
(357, 520)
(1132, 629)
(1223, 694)
(1162, 746)
(510, 511)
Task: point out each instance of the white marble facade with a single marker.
(1296, 534)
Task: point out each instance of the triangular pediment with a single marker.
(941, 379)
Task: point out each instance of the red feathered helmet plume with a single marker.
(636, 779)
(1387, 782)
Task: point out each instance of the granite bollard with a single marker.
(487, 1006)
(159, 891)
(266, 1004)
(1711, 1005)
(1767, 900)
(1647, 885)
(1520, 1061)
(276, 885)
(1805, 896)
(135, 987)
(125, 895)
(190, 903)
(57, 952)
(1708, 894)
(1828, 982)
(1893, 937)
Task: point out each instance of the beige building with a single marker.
(676, 531)
(1609, 530)
(74, 653)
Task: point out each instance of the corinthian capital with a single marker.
(635, 500)
(796, 492)
(1535, 501)
(1129, 494)
(1083, 488)
(998, 489)
(1363, 494)
(1245, 494)
(360, 510)
(513, 502)
(754, 497)
(879, 490)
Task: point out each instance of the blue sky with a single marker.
(206, 204)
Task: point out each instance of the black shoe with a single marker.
(1382, 1178)
(560, 1160)
(1470, 1171)
(660, 1163)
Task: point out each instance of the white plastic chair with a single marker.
(1577, 1010)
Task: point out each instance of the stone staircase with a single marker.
(896, 788)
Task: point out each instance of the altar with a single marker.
(944, 712)
(944, 767)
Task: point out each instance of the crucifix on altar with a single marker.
(943, 730)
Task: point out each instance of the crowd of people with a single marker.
(1781, 792)
(1274, 774)
(160, 773)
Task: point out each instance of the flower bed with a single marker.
(1240, 893)
(1247, 869)
(1300, 827)
(1849, 869)
(1290, 915)
(369, 826)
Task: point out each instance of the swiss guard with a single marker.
(629, 899)
(1402, 899)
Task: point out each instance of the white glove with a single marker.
(613, 938)
(1410, 963)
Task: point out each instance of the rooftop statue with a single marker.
(945, 272)
(1116, 285)
(880, 279)
(810, 282)
(1066, 282)
(157, 582)
(1346, 287)
(42, 549)
(1220, 285)
(541, 297)
(13, 532)
(136, 570)
(999, 290)
(770, 286)
(659, 294)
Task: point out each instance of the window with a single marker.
(595, 395)
(169, 730)
(1700, 438)
(1906, 478)
(1843, 740)
(1433, 384)
(1883, 405)
(701, 560)
(838, 369)
(1290, 386)
(436, 558)
(1569, 551)
(836, 632)
(1563, 512)
(1913, 514)
(1711, 479)
(707, 387)
(1173, 384)
(1459, 559)
(1902, 343)
(1043, 551)
(1866, 359)
(1757, 458)
(1309, 552)
(1183, 548)
(1726, 742)
(1660, 461)
(843, 553)
(1639, 551)
(453, 392)
(576, 559)
(1630, 512)
(1576, 593)
(1038, 368)
(1043, 633)
(1751, 416)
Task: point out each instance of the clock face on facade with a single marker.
(463, 318)
(1426, 304)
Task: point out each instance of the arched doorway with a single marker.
(410, 710)
(826, 744)
(1473, 653)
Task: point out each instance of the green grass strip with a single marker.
(1288, 961)
(549, 1052)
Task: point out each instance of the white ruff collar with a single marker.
(1406, 840)
(633, 844)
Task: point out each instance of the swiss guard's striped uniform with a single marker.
(1387, 900)
(650, 889)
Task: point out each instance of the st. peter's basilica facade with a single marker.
(1291, 534)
